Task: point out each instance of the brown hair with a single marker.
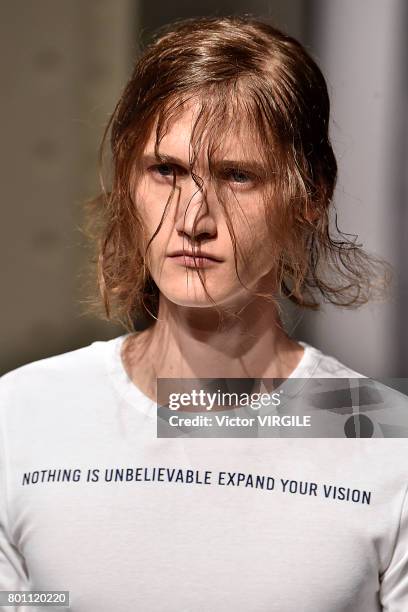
(231, 65)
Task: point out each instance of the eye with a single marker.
(164, 170)
(238, 176)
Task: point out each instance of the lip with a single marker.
(200, 254)
(188, 261)
(202, 259)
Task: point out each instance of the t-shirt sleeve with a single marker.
(13, 574)
(394, 581)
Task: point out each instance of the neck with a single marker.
(192, 343)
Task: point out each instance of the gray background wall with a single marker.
(63, 67)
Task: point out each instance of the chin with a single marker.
(194, 295)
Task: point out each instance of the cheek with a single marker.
(157, 247)
(255, 243)
(150, 208)
(251, 229)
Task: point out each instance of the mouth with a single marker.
(187, 260)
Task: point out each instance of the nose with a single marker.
(195, 220)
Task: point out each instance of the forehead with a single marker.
(231, 135)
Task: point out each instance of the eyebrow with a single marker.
(254, 166)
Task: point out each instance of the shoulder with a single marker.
(54, 394)
(65, 370)
(328, 366)
(381, 399)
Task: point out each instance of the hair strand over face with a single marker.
(236, 67)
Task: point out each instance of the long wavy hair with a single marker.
(240, 69)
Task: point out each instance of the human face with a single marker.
(176, 277)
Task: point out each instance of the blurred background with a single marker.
(64, 65)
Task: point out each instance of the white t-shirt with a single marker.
(326, 532)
